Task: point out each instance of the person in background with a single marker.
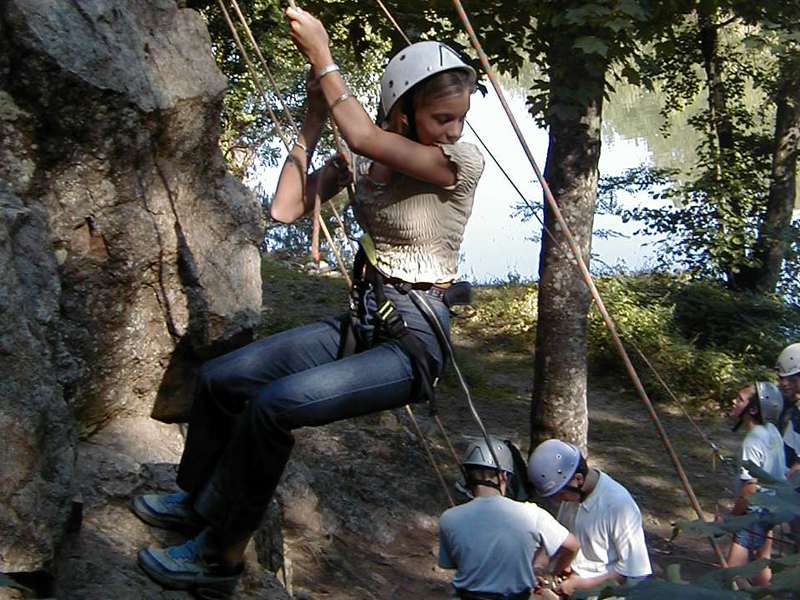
(756, 408)
(491, 541)
(598, 511)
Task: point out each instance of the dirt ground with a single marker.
(389, 551)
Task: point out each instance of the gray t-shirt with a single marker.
(491, 542)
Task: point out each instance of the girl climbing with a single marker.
(415, 185)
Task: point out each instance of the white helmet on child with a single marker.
(789, 361)
(552, 465)
(770, 401)
(413, 64)
(479, 455)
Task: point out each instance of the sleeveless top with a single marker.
(417, 227)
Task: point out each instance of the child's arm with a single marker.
(296, 192)
(420, 161)
(741, 504)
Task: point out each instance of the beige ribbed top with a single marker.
(417, 227)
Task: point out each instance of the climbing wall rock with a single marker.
(128, 254)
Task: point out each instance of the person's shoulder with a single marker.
(759, 434)
(614, 494)
(456, 512)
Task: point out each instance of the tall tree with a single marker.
(732, 220)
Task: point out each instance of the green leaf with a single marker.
(633, 8)
(590, 44)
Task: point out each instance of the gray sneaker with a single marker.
(168, 511)
(189, 567)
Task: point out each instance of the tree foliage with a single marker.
(719, 218)
(360, 43)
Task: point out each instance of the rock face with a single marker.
(127, 254)
(133, 455)
(36, 426)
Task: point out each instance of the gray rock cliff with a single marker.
(128, 255)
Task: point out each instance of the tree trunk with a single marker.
(717, 102)
(559, 392)
(773, 235)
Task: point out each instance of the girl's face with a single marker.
(441, 120)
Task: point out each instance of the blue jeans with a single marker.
(248, 402)
(755, 536)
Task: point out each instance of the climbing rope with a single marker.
(318, 221)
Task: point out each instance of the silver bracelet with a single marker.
(327, 69)
(301, 145)
(339, 100)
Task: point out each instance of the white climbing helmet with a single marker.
(789, 361)
(413, 64)
(770, 401)
(552, 465)
(478, 455)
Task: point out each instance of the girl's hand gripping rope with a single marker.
(310, 37)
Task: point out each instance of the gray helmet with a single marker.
(770, 401)
(478, 455)
(413, 64)
(552, 465)
(789, 361)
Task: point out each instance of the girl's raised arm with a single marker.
(424, 161)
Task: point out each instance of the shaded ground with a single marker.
(359, 500)
(390, 550)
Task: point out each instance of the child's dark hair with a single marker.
(582, 467)
(441, 85)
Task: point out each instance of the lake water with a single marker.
(498, 244)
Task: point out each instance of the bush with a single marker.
(704, 340)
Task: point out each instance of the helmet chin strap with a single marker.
(485, 482)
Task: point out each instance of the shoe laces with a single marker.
(176, 499)
(189, 551)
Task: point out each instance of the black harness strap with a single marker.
(390, 325)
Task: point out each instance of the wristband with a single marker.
(327, 69)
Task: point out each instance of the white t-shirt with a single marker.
(491, 542)
(763, 445)
(608, 526)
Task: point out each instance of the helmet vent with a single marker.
(391, 83)
(402, 57)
